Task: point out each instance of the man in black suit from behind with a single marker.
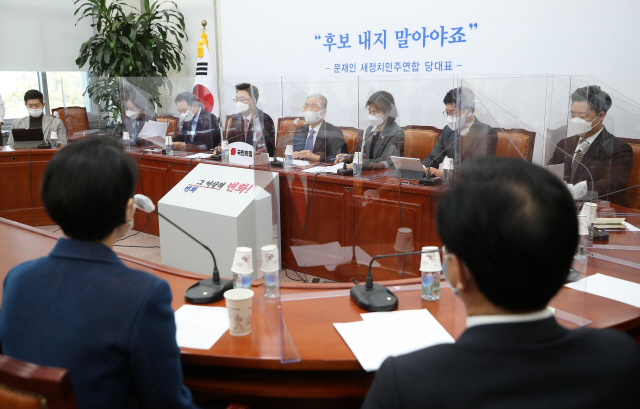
(318, 141)
(459, 104)
(200, 130)
(243, 124)
(510, 230)
(592, 153)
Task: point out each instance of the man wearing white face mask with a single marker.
(135, 118)
(243, 124)
(199, 130)
(510, 231)
(383, 138)
(34, 102)
(318, 141)
(590, 152)
(459, 108)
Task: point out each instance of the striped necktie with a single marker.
(577, 159)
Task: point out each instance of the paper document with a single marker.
(199, 156)
(609, 287)
(155, 132)
(325, 169)
(630, 227)
(385, 334)
(296, 162)
(329, 255)
(200, 327)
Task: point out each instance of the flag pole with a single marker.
(219, 65)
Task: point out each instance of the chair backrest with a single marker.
(75, 119)
(286, 129)
(28, 386)
(173, 123)
(633, 195)
(515, 143)
(419, 140)
(351, 136)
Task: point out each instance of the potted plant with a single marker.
(136, 45)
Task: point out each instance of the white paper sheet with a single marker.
(325, 169)
(200, 327)
(155, 132)
(199, 156)
(385, 334)
(296, 162)
(630, 227)
(329, 255)
(609, 287)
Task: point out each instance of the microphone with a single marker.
(375, 297)
(275, 163)
(205, 291)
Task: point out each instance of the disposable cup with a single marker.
(239, 301)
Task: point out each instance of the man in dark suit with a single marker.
(590, 152)
(200, 130)
(251, 124)
(318, 141)
(478, 138)
(80, 307)
(510, 230)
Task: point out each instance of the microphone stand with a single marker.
(375, 297)
(208, 290)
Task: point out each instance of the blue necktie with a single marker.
(309, 145)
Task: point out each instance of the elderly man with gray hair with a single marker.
(318, 140)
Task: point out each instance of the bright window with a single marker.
(13, 85)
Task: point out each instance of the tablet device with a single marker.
(27, 138)
(408, 168)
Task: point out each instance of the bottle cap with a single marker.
(430, 262)
(270, 258)
(243, 261)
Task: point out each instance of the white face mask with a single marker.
(132, 114)
(376, 120)
(35, 112)
(455, 123)
(241, 107)
(187, 116)
(578, 126)
(311, 117)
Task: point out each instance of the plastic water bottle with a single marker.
(431, 285)
(357, 164)
(271, 269)
(288, 156)
(224, 147)
(241, 280)
(447, 171)
(126, 140)
(53, 139)
(272, 284)
(169, 146)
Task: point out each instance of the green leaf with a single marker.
(124, 39)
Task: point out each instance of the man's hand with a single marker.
(436, 172)
(306, 154)
(179, 146)
(341, 157)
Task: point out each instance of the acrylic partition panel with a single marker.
(143, 100)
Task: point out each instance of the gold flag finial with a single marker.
(204, 23)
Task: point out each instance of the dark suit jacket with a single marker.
(390, 143)
(207, 133)
(329, 142)
(479, 141)
(235, 133)
(82, 309)
(535, 364)
(608, 160)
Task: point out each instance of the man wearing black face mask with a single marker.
(590, 152)
(34, 102)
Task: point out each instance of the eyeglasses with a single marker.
(243, 100)
(446, 114)
(313, 107)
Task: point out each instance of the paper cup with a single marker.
(270, 258)
(239, 301)
(590, 209)
(243, 261)
(357, 158)
(125, 135)
(583, 230)
(225, 144)
(430, 262)
(405, 234)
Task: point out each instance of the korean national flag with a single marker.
(205, 87)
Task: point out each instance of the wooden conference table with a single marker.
(361, 212)
(249, 369)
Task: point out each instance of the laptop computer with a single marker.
(27, 138)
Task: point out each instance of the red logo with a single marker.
(233, 151)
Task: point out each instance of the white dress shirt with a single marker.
(315, 134)
(476, 320)
(585, 144)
